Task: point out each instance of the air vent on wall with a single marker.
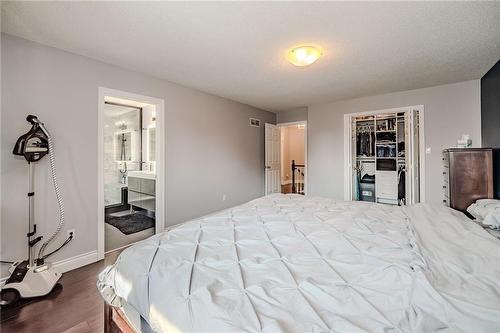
(254, 122)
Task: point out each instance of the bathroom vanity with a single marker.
(142, 190)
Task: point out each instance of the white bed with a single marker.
(289, 263)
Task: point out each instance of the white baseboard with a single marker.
(70, 264)
(75, 262)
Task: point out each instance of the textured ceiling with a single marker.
(237, 49)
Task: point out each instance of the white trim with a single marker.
(347, 157)
(421, 138)
(301, 122)
(72, 263)
(160, 160)
(100, 173)
(75, 262)
(291, 123)
(348, 146)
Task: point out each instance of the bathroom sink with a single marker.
(142, 174)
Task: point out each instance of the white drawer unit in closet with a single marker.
(386, 186)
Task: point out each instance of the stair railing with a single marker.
(298, 177)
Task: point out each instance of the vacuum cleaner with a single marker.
(34, 276)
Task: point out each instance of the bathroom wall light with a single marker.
(303, 55)
(122, 124)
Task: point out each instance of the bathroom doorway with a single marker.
(131, 169)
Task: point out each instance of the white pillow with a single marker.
(486, 211)
(492, 219)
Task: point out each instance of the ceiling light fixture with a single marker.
(303, 55)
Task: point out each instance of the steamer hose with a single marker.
(58, 194)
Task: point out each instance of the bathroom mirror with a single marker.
(151, 144)
(123, 146)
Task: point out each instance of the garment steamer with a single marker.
(35, 277)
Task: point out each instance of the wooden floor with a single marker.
(74, 306)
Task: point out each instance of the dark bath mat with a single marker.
(132, 223)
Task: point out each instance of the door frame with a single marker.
(160, 208)
(348, 146)
(301, 122)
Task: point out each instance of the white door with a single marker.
(273, 159)
(413, 169)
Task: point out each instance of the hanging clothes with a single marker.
(365, 143)
(402, 185)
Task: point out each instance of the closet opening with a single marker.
(384, 163)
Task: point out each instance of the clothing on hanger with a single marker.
(402, 184)
(365, 140)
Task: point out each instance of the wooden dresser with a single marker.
(468, 176)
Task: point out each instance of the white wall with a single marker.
(292, 115)
(450, 111)
(210, 148)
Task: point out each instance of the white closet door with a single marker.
(273, 159)
(413, 158)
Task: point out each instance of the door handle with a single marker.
(268, 167)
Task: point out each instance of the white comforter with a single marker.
(308, 264)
